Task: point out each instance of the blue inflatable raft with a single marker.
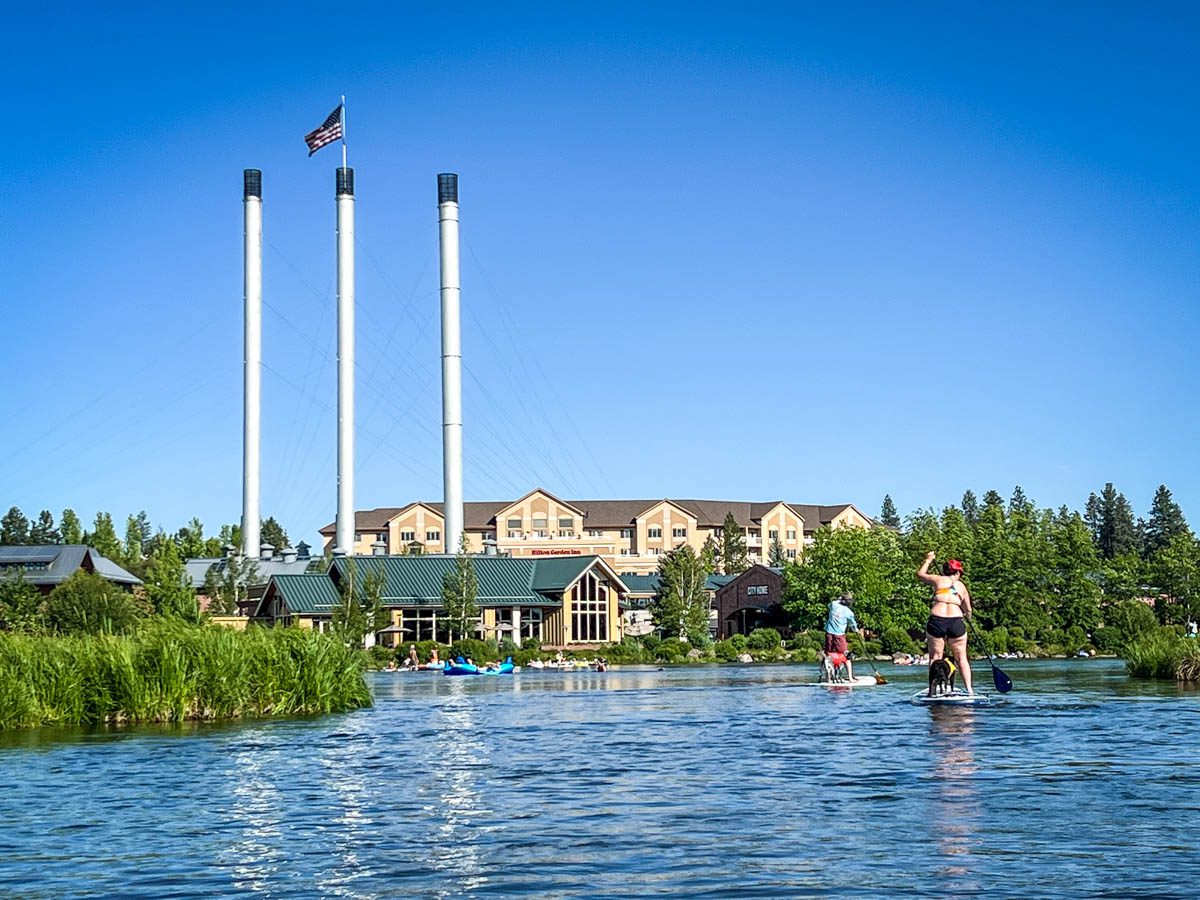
(461, 667)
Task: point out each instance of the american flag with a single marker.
(330, 131)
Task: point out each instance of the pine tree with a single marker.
(104, 537)
(166, 583)
(14, 528)
(191, 540)
(1116, 533)
(733, 547)
(71, 528)
(888, 515)
(43, 531)
(131, 550)
(272, 533)
(1165, 523)
(970, 507)
(776, 558)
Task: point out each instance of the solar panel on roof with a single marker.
(44, 553)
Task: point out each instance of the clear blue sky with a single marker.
(732, 251)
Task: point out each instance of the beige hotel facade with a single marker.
(629, 534)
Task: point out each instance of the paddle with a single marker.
(879, 679)
(1003, 683)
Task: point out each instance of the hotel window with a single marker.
(539, 532)
(531, 624)
(678, 532)
(773, 534)
(514, 534)
(625, 551)
(654, 531)
(514, 525)
(540, 522)
(791, 554)
(566, 526)
(626, 532)
(655, 551)
(595, 533)
(791, 534)
(408, 536)
(431, 536)
(589, 610)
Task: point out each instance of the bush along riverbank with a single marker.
(169, 672)
(1163, 653)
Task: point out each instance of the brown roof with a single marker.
(481, 516)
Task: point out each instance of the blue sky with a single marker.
(742, 251)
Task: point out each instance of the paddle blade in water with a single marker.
(1003, 682)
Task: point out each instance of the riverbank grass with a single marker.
(175, 673)
(1163, 653)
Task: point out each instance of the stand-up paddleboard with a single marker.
(959, 697)
(859, 681)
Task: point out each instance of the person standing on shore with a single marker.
(949, 609)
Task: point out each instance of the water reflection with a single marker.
(954, 811)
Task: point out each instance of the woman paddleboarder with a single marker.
(949, 609)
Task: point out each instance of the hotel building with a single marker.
(629, 535)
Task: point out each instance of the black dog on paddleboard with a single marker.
(941, 677)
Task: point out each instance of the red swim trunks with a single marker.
(835, 643)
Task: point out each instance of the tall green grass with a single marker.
(1163, 653)
(171, 672)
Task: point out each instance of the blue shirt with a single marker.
(840, 618)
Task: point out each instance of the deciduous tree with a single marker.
(680, 606)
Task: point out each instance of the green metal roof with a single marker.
(417, 580)
(306, 593)
(554, 574)
(641, 584)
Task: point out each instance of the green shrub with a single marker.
(88, 604)
(629, 651)
(472, 648)
(808, 640)
(1131, 618)
(1076, 639)
(999, 640)
(1106, 639)
(764, 639)
(672, 650)
(805, 655)
(725, 651)
(380, 656)
(896, 640)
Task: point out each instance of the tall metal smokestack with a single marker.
(344, 537)
(252, 360)
(452, 468)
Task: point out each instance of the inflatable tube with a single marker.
(463, 668)
(958, 698)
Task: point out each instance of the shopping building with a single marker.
(562, 602)
(629, 534)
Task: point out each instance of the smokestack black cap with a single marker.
(447, 188)
(252, 184)
(345, 182)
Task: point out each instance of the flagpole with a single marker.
(344, 131)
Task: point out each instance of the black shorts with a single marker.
(946, 627)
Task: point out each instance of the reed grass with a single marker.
(172, 672)
(1163, 653)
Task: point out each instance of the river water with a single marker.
(692, 782)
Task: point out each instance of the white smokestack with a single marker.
(452, 497)
(252, 360)
(344, 537)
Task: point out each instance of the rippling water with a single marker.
(695, 782)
